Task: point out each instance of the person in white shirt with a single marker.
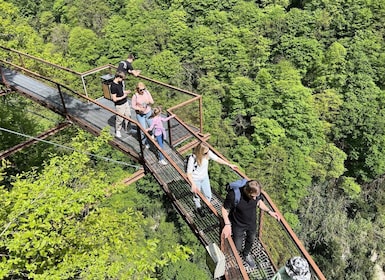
(198, 175)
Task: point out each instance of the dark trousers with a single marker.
(239, 236)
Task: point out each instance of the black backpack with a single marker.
(186, 159)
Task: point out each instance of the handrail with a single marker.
(180, 171)
(85, 73)
(41, 60)
(294, 237)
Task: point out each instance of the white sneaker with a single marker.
(118, 134)
(147, 146)
(163, 162)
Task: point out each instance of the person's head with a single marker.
(120, 75)
(156, 112)
(140, 88)
(200, 152)
(252, 189)
(130, 58)
(298, 269)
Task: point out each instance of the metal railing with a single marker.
(187, 105)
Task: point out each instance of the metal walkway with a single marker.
(94, 115)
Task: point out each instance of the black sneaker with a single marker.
(249, 260)
(201, 212)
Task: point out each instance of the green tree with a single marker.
(117, 42)
(89, 14)
(166, 67)
(332, 72)
(54, 227)
(183, 270)
(346, 17)
(233, 57)
(333, 237)
(306, 54)
(83, 46)
(362, 103)
(15, 30)
(179, 33)
(47, 21)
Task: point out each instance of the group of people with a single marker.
(239, 216)
(150, 120)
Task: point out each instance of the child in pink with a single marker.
(158, 130)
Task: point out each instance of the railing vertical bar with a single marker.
(201, 115)
(62, 99)
(169, 132)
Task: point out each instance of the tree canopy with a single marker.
(293, 93)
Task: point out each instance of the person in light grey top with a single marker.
(198, 174)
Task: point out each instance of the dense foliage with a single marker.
(69, 220)
(293, 93)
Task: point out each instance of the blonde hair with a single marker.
(156, 112)
(200, 152)
(139, 86)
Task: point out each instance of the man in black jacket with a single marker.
(126, 66)
(240, 217)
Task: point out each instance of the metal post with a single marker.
(61, 97)
(139, 136)
(84, 85)
(201, 114)
(21, 60)
(169, 132)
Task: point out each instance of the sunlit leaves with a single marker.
(82, 45)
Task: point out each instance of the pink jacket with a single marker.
(157, 125)
(142, 101)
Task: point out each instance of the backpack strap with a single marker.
(235, 186)
(195, 162)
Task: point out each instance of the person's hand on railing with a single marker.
(194, 188)
(226, 231)
(274, 215)
(135, 72)
(232, 166)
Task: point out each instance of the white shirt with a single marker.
(200, 172)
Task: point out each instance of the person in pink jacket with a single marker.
(158, 129)
(141, 102)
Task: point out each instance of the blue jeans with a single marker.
(145, 122)
(239, 236)
(204, 187)
(159, 139)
